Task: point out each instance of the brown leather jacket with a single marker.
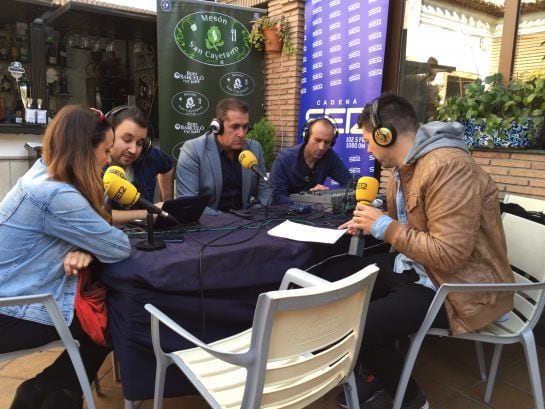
(454, 229)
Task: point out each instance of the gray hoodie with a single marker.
(435, 135)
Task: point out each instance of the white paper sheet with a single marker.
(303, 232)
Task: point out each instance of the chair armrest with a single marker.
(445, 289)
(300, 278)
(24, 299)
(476, 287)
(52, 309)
(241, 359)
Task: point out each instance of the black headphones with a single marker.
(216, 126)
(146, 146)
(383, 134)
(305, 132)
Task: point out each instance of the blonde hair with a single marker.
(68, 152)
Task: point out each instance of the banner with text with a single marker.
(342, 70)
(203, 56)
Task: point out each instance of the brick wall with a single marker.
(521, 173)
(282, 72)
(517, 172)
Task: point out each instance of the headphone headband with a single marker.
(115, 110)
(305, 132)
(146, 146)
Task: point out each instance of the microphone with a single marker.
(366, 191)
(248, 160)
(111, 173)
(124, 192)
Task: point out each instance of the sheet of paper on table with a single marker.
(304, 232)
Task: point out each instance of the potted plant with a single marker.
(498, 115)
(263, 131)
(272, 35)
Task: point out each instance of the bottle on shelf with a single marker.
(62, 53)
(23, 50)
(5, 84)
(19, 109)
(30, 113)
(143, 88)
(14, 49)
(51, 52)
(41, 114)
(2, 109)
(63, 85)
(3, 48)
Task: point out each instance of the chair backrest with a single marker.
(528, 203)
(308, 338)
(526, 253)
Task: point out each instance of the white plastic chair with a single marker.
(66, 341)
(525, 250)
(528, 203)
(303, 343)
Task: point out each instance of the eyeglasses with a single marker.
(100, 116)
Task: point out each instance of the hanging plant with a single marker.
(266, 25)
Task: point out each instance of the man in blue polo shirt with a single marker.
(305, 167)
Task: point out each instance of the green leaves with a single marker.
(257, 39)
(497, 104)
(263, 131)
(213, 40)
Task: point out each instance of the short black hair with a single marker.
(392, 109)
(121, 113)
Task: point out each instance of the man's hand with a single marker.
(363, 218)
(75, 261)
(318, 187)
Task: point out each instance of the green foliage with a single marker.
(496, 104)
(257, 39)
(263, 131)
(214, 38)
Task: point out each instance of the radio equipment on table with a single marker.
(333, 200)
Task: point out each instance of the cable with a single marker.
(308, 269)
(200, 271)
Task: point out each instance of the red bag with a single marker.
(91, 308)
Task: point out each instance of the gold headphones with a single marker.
(383, 134)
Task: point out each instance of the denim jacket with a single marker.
(41, 220)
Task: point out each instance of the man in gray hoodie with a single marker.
(444, 225)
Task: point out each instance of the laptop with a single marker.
(186, 209)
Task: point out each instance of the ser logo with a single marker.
(119, 194)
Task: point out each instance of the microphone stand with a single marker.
(150, 244)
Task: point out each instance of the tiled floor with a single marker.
(446, 369)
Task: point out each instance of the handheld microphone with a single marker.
(248, 160)
(111, 173)
(366, 191)
(124, 192)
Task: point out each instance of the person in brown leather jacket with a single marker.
(444, 225)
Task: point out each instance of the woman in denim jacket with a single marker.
(52, 225)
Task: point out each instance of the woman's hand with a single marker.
(75, 261)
